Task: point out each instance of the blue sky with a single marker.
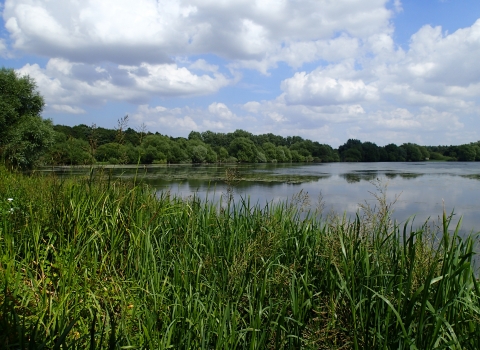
(375, 70)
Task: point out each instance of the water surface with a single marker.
(419, 189)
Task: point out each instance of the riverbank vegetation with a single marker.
(91, 263)
(27, 140)
(84, 144)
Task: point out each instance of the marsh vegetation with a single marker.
(94, 263)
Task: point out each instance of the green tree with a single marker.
(370, 152)
(395, 153)
(477, 151)
(113, 153)
(70, 151)
(324, 153)
(352, 155)
(280, 155)
(425, 152)
(199, 154)
(24, 135)
(284, 154)
(195, 135)
(270, 152)
(466, 153)
(302, 148)
(261, 158)
(222, 154)
(436, 156)
(212, 156)
(351, 151)
(296, 156)
(413, 152)
(243, 149)
(177, 154)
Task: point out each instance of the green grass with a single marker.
(99, 264)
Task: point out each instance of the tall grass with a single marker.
(99, 264)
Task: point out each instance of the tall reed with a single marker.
(95, 263)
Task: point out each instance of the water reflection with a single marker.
(425, 189)
(357, 177)
(409, 175)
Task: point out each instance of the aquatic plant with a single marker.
(92, 263)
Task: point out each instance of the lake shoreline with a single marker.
(113, 262)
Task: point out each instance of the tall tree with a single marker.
(24, 135)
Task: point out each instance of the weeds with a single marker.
(100, 264)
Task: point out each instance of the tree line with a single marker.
(356, 151)
(84, 144)
(27, 140)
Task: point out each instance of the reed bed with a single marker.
(99, 264)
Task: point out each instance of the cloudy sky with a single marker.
(328, 70)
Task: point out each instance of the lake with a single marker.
(421, 189)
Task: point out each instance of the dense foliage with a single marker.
(95, 264)
(24, 135)
(82, 144)
(27, 140)
(356, 151)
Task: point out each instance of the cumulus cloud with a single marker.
(313, 121)
(180, 121)
(203, 65)
(172, 80)
(131, 33)
(346, 78)
(427, 90)
(3, 48)
(66, 83)
(320, 89)
(296, 53)
(397, 4)
(67, 109)
(222, 111)
(165, 119)
(440, 58)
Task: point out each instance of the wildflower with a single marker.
(10, 199)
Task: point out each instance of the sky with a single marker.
(327, 70)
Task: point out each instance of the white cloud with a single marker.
(165, 119)
(3, 48)
(67, 109)
(296, 53)
(66, 83)
(399, 118)
(202, 65)
(397, 4)
(426, 119)
(130, 33)
(171, 80)
(315, 122)
(322, 88)
(435, 57)
(180, 121)
(347, 76)
(222, 111)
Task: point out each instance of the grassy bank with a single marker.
(95, 264)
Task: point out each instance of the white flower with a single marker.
(9, 199)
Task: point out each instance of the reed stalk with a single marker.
(100, 264)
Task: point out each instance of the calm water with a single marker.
(422, 189)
